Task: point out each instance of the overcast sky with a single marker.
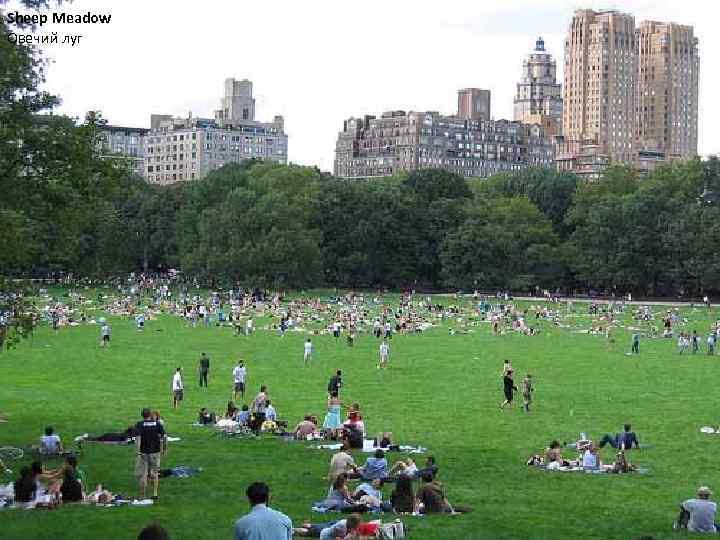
(317, 62)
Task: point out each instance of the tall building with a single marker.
(180, 149)
(539, 96)
(667, 97)
(398, 141)
(474, 104)
(599, 100)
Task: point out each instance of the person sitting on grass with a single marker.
(591, 460)
(339, 497)
(698, 515)
(50, 443)
(430, 498)
(553, 454)
(342, 463)
(404, 467)
(384, 440)
(72, 488)
(430, 468)
(621, 464)
(25, 487)
(243, 417)
(375, 467)
(402, 498)
(623, 441)
(305, 429)
(205, 417)
(270, 412)
(231, 411)
(369, 494)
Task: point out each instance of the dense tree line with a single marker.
(64, 208)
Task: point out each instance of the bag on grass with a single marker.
(391, 531)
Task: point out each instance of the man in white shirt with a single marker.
(384, 354)
(336, 330)
(308, 350)
(177, 388)
(239, 379)
(50, 443)
(249, 327)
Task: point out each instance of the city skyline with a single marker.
(138, 68)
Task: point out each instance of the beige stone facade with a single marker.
(601, 65)
(668, 89)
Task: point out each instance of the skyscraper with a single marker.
(474, 104)
(599, 101)
(539, 96)
(667, 97)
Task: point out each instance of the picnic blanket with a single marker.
(181, 471)
(638, 470)
(370, 448)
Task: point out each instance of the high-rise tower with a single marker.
(667, 97)
(539, 96)
(599, 101)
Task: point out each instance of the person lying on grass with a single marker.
(111, 437)
(331, 530)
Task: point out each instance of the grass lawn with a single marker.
(440, 391)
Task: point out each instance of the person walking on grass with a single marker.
(527, 390)
(105, 332)
(151, 444)
(204, 369)
(239, 380)
(508, 388)
(695, 342)
(177, 388)
(384, 354)
(307, 352)
(635, 349)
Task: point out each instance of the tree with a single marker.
(505, 242)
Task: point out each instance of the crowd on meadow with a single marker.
(355, 489)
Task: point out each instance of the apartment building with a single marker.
(370, 147)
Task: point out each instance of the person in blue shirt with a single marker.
(262, 523)
(625, 440)
(375, 467)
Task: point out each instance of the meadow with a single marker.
(440, 391)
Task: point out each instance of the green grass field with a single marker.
(440, 391)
